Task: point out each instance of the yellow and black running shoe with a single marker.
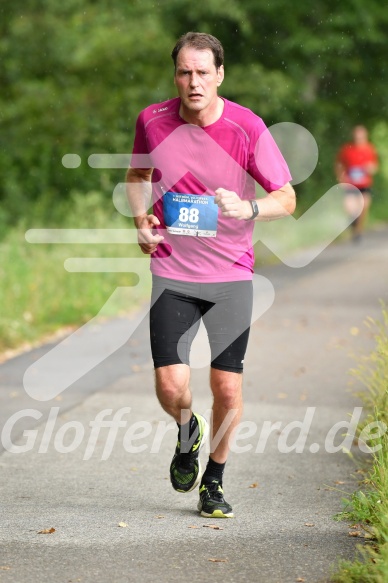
(185, 469)
(212, 503)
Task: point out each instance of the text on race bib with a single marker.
(190, 214)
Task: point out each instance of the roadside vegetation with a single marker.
(366, 510)
(39, 296)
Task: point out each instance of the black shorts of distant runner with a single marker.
(355, 191)
(175, 315)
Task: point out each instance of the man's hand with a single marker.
(371, 168)
(231, 204)
(147, 241)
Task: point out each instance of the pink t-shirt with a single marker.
(190, 163)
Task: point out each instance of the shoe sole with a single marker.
(205, 435)
(217, 514)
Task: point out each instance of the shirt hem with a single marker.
(235, 275)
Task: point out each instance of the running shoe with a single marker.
(212, 503)
(185, 469)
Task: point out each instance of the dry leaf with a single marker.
(309, 524)
(193, 526)
(122, 524)
(254, 485)
(339, 482)
(47, 531)
(4, 568)
(354, 533)
(218, 560)
(214, 526)
(159, 516)
(369, 535)
(300, 580)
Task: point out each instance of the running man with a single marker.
(356, 163)
(202, 156)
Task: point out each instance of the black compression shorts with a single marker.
(176, 311)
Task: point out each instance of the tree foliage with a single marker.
(75, 74)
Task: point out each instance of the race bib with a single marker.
(190, 214)
(356, 173)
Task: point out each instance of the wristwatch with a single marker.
(255, 210)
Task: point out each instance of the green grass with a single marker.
(369, 505)
(38, 295)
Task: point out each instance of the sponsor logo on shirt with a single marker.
(160, 109)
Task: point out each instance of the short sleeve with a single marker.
(140, 142)
(266, 163)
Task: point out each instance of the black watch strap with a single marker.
(255, 210)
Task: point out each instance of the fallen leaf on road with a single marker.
(4, 568)
(159, 516)
(193, 526)
(214, 526)
(300, 580)
(254, 485)
(339, 482)
(309, 524)
(122, 524)
(47, 531)
(218, 560)
(354, 533)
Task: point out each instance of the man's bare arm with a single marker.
(277, 204)
(139, 192)
(340, 171)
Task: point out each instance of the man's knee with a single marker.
(226, 388)
(171, 381)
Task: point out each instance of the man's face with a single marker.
(360, 135)
(197, 78)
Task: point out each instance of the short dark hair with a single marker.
(200, 41)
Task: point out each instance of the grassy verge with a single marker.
(39, 296)
(368, 506)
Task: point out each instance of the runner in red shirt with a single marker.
(356, 164)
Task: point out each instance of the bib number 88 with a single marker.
(189, 215)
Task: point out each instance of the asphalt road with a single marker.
(297, 364)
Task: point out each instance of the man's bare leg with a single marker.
(172, 390)
(227, 395)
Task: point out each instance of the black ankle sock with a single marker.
(214, 471)
(187, 430)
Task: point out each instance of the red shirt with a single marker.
(354, 158)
